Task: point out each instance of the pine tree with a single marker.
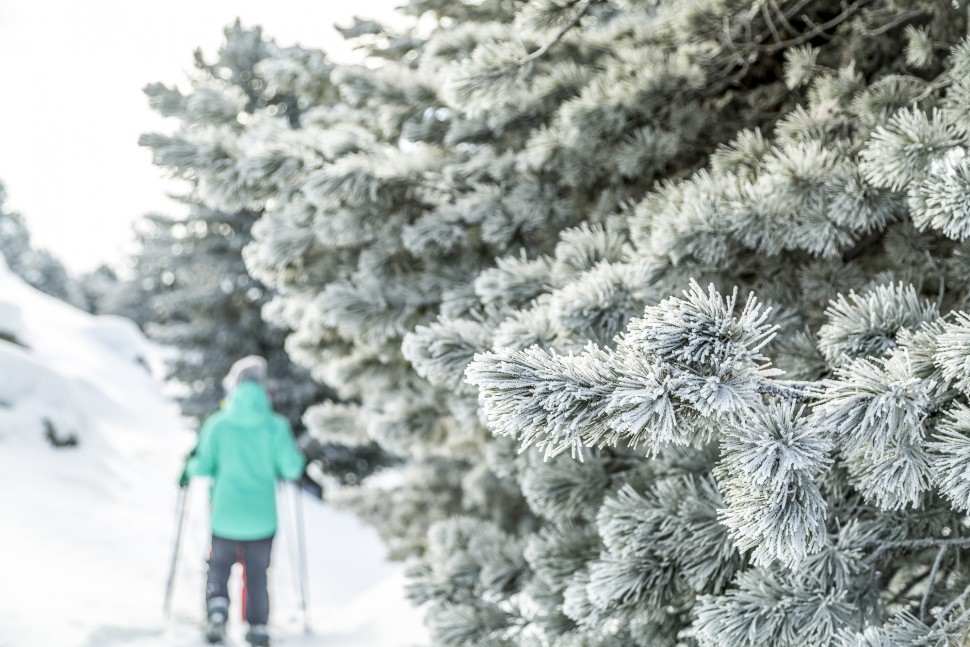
(191, 288)
(665, 301)
(205, 305)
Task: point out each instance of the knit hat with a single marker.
(248, 369)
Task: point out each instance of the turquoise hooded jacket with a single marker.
(246, 447)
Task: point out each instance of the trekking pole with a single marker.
(301, 539)
(181, 507)
(290, 522)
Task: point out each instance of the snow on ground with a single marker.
(87, 531)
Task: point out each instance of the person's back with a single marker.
(245, 448)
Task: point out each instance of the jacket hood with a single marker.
(248, 398)
(247, 369)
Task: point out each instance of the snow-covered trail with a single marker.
(355, 598)
(86, 532)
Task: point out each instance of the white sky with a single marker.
(71, 105)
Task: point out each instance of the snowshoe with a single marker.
(257, 636)
(215, 628)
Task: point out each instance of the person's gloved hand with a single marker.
(310, 486)
(184, 479)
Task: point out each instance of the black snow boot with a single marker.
(257, 636)
(215, 628)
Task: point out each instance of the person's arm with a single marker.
(203, 463)
(289, 459)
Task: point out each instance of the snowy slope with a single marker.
(87, 531)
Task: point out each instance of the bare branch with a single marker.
(900, 19)
(771, 23)
(953, 604)
(916, 544)
(782, 17)
(929, 585)
(739, 52)
(584, 9)
(793, 10)
(788, 390)
(817, 30)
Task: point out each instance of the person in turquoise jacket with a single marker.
(245, 448)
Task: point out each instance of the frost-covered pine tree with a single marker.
(203, 304)
(665, 301)
(202, 301)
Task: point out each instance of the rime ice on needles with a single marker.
(953, 351)
(694, 354)
(919, 47)
(768, 472)
(874, 404)
(711, 354)
(866, 324)
(776, 448)
(564, 489)
(950, 456)
(771, 607)
(514, 282)
(942, 199)
(467, 559)
(902, 151)
(441, 351)
(556, 402)
(526, 328)
(581, 248)
(878, 409)
(901, 629)
(599, 306)
(800, 65)
(703, 330)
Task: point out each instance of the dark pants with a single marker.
(254, 555)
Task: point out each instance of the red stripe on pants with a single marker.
(241, 559)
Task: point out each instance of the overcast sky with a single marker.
(71, 106)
